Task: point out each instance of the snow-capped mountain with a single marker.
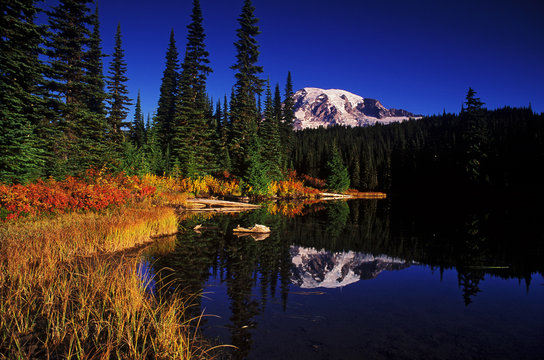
(313, 268)
(316, 107)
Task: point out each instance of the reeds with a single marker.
(68, 290)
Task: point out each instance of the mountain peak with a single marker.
(315, 107)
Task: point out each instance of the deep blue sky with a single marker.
(419, 55)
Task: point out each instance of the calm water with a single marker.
(369, 279)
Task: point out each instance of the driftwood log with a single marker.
(257, 229)
(213, 205)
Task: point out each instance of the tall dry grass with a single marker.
(67, 290)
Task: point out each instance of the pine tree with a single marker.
(277, 103)
(166, 109)
(244, 114)
(94, 126)
(196, 53)
(152, 148)
(118, 100)
(225, 126)
(20, 79)
(474, 138)
(138, 131)
(76, 131)
(68, 39)
(95, 74)
(356, 173)
(192, 145)
(257, 175)
(338, 179)
(288, 117)
(270, 137)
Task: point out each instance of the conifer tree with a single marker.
(288, 117)
(138, 131)
(94, 125)
(95, 74)
(118, 100)
(225, 161)
(153, 151)
(20, 105)
(192, 145)
(76, 138)
(356, 174)
(270, 137)
(474, 138)
(164, 120)
(277, 103)
(338, 179)
(69, 37)
(244, 114)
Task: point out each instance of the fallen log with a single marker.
(221, 203)
(219, 210)
(327, 196)
(258, 229)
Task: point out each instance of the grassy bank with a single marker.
(69, 265)
(68, 289)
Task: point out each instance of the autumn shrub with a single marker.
(96, 191)
(209, 185)
(291, 189)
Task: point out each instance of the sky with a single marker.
(419, 55)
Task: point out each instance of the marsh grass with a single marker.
(69, 289)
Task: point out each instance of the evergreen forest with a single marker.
(62, 114)
(475, 150)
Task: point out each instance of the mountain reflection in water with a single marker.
(313, 269)
(456, 295)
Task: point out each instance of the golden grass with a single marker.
(67, 290)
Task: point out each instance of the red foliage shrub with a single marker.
(95, 191)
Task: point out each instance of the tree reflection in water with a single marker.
(254, 271)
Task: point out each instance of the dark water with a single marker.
(370, 279)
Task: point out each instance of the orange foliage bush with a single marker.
(307, 180)
(290, 189)
(208, 185)
(96, 191)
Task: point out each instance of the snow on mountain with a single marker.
(313, 268)
(316, 107)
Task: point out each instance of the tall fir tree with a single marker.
(164, 120)
(474, 138)
(288, 118)
(153, 151)
(193, 146)
(138, 131)
(225, 161)
(338, 178)
(118, 100)
(277, 103)
(21, 107)
(76, 136)
(248, 85)
(95, 74)
(270, 137)
(95, 126)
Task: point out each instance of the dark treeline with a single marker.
(475, 149)
(60, 114)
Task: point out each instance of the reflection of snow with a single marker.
(312, 268)
(147, 276)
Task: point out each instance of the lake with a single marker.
(367, 279)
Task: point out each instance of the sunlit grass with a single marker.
(68, 290)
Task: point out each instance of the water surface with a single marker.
(369, 279)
